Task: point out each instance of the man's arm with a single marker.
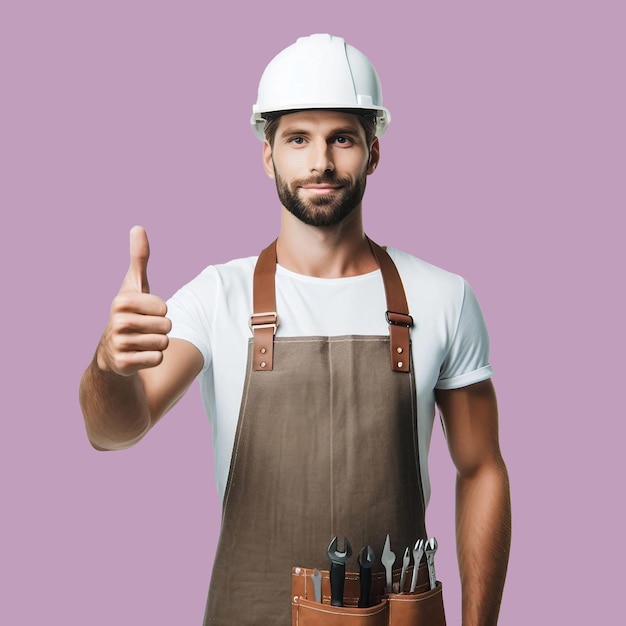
(136, 375)
(483, 506)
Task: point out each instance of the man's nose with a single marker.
(321, 158)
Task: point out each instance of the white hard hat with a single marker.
(319, 72)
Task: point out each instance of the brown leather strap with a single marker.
(397, 310)
(264, 320)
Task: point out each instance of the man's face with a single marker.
(320, 161)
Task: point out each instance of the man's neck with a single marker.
(325, 252)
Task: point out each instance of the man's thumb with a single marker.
(137, 277)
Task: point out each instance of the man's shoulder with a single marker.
(228, 277)
(235, 270)
(414, 270)
(433, 292)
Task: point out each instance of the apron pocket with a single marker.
(422, 608)
(417, 609)
(309, 613)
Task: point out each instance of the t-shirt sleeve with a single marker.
(190, 314)
(467, 360)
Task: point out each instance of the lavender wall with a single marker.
(504, 162)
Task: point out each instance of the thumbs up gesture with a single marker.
(136, 334)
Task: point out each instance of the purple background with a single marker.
(504, 161)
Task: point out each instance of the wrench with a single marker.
(406, 559)
(418, 553)
(338, 562)
(388, 558)
(431, 548)
(367, 558)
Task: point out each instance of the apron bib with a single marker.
(326, 445)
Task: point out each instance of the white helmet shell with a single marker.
(319, 72)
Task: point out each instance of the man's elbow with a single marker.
(103, 442)
(486, 469)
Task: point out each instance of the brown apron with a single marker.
(326, 445)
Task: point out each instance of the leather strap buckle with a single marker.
(263, 327)
(399, 319)
(268, 319)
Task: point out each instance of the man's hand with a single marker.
(122, 392)
(136, 334)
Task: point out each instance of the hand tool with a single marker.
(317, 584)
(431, 548)
(406, 559)
(388, 558)
(367, 558)
(338, 562)
(418, 553)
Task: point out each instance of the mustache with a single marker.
(328, 178)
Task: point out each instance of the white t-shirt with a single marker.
(449, 339)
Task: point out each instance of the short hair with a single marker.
(367, 120)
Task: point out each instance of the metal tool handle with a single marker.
(337, 580)
(432, 577)
(317, 585)
(365, 583)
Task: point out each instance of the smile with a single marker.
(320, 189)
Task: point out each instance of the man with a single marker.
(320, 364)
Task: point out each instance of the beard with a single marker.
(327, 210)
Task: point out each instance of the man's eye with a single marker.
(342, 140)
(297, 140)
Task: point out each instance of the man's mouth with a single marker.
(320, 189)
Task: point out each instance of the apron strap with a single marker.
(264, 320)
(397, 313)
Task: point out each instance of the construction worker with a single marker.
(321, 362)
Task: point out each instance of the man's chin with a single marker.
(322, 216)
(319, 200)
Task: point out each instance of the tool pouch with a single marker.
(421, 608)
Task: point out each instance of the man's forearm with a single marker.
(483, 541)
(115, 408)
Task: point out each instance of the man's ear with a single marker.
(374, 156)
(268, 164)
